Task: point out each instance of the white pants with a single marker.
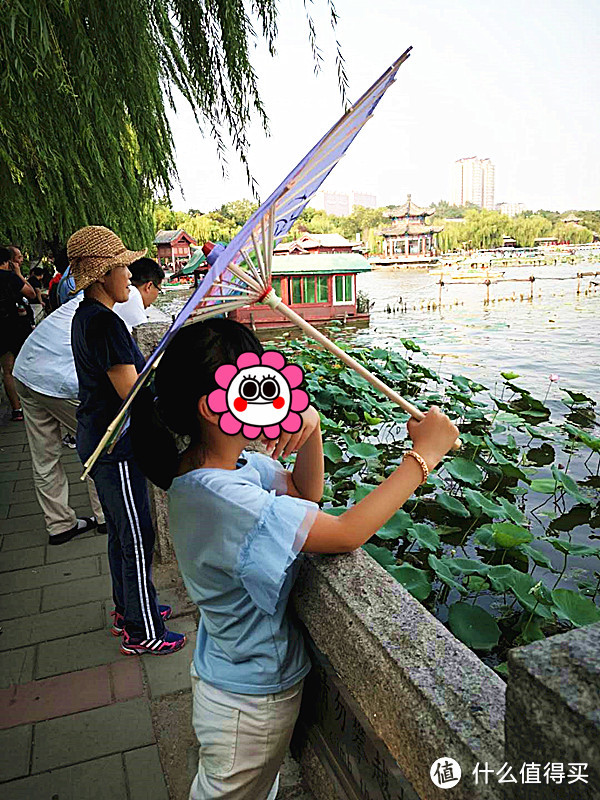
(243, 740)
(43, 417)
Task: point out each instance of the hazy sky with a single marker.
(517, 81)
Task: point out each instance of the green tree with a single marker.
(574, 234)
(84, 135)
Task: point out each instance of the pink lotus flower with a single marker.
(259, 395)
(554, 378)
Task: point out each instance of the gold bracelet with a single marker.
(420, 461)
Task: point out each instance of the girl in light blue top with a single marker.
(238, 521)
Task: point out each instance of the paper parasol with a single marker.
(241, 273)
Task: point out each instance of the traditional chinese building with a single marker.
(409, 235)
(173, 246)
(312, 243)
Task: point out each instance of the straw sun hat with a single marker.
(95, 250)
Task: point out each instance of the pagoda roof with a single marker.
(571, 220)
(408, 209)
(320, 264)
(403, 228)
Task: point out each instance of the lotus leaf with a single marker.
(473, 626)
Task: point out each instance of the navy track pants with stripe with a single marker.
(123, 493)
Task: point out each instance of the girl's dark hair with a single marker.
(186, 372)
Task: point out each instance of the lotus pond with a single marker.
(502, 542)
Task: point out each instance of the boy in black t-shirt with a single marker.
(108, 362)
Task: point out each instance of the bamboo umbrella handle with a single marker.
(277, 304)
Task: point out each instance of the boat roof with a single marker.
(322, 264)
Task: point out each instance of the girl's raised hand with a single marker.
(433, 436)
(289, 443)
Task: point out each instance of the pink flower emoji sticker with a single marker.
(259, 395)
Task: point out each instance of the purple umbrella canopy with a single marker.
(240, 273)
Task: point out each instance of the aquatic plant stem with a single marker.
(565, 557)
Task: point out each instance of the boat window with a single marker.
(276, 284)
(296, 290)
(343, 285)
(348, 287)
(322, 289)
(308, 286)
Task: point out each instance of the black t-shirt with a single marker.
(11, 292)
(100, 340)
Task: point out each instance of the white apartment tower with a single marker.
(474, 182)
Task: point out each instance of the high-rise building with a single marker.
(363, 199)
(474, 182)
(337, 203)
(510, 209)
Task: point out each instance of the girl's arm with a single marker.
(307, 478)
(432, 438)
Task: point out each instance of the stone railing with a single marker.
(393, 691)
(423, 696)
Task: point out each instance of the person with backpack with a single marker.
(14, 327)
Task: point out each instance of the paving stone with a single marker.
(144, 774)
(77, 652)
(18, 541)
(102, 779)
(75, 468)
(63, 573)
(23, 509)
(92, 734)
(20, 604)
(55, 697)
(4, 509)
(13, 437)
(104, 564)
(127, 679)
(59, 596)
(15, 746)
(13, 448)
(21, 559)
(76, 548)
(32, 522)
(172, 673)
(20, 496)
(16, 667)
(51, 625)
(23, 484)
(10, 475)
(6, 491)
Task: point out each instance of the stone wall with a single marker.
(424, 693)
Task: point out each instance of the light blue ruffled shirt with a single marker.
(236, 542)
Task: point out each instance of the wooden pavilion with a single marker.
(409, 235)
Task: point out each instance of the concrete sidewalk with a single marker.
(78, 720)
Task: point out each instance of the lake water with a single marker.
(558, 332)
